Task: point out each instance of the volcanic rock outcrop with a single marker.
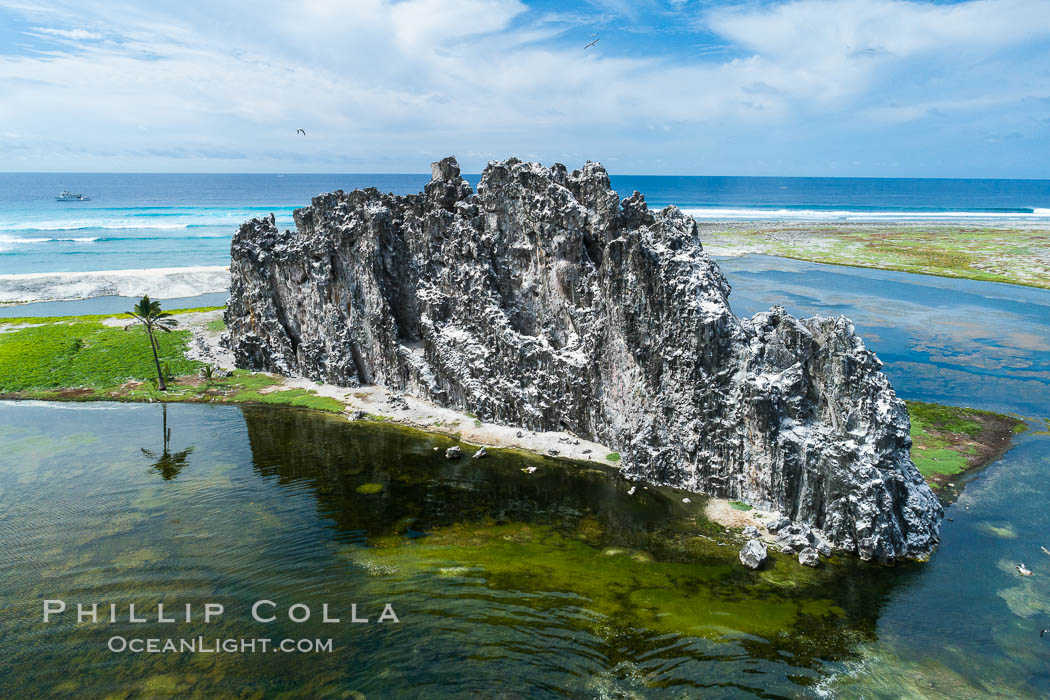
(544, 301)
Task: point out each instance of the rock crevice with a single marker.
(545, 301)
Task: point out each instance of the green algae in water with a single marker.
(479, 558)
(627, 586)
(998, 529)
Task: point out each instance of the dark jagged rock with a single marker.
(543, 301)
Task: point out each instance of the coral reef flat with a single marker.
(1013, 255)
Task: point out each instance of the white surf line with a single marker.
(160, 283)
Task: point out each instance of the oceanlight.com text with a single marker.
(200, 645)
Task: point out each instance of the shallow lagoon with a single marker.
(550, 583)
(967, 625)
(960, 342)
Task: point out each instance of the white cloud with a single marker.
(806, 29)
(74, 34)
(387, 83)
(421, 24)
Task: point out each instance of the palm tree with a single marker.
(148, 313)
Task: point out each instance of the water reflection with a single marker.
(168, 464)
(553, 583)
(646, 562)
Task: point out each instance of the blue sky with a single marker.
(768, 87)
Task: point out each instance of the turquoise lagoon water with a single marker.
(144, 221)
(269, 503)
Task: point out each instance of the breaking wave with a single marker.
(161, 283)
(146, 219)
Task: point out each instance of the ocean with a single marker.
(147, 221)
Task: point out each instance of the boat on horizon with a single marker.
(67, 196)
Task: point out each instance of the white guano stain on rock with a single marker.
(544, 302)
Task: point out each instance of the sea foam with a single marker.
(162, 283)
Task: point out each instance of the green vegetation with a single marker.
(950, 419)
(84, 354)
(82, 359)
(369, 488)
(20, 320)
(305, 398)
(948, 440)
(613, 456)
(1016, 256)
(216, 326)
(740, 505)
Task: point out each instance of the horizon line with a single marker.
(464, 174)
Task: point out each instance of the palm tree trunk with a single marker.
(156, 361)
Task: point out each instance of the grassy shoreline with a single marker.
(1007, 255)
(951, 443)
(93, 358)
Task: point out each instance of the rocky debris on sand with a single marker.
(545, 301)
(753, 554)
(809, 557)
(751, 532)
(778, 523)
(454, 452)
(480, 453)
(360, 415)
(397, 401)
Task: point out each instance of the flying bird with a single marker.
(591, 44)
(301, 131)
(1045, 550)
